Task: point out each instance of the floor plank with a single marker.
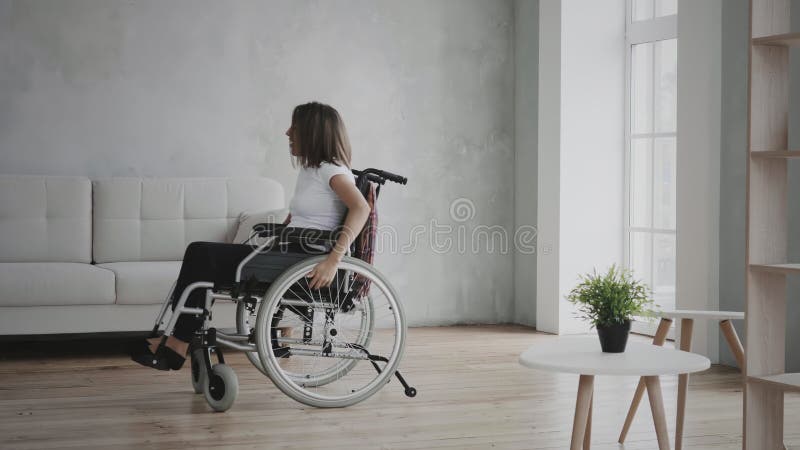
(472, 395)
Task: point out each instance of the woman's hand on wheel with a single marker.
(322, 274)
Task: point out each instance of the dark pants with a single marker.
(216, 262)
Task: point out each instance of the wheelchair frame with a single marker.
(209, 340)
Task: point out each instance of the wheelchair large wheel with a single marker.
(246, 321)
(349, 344)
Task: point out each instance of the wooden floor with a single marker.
(472, 394)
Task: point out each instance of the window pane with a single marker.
(641, 252)
(666, 7)
(641, 182)
(642, 88)
(666, 85)
(642, 10)
(652, 163)
(664, 174)
(664, 270)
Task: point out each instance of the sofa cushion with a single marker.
(154, 219)
(249, 219)
(143, 282)
(45, 219)
(55, 284)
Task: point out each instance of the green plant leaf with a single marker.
(611, 298)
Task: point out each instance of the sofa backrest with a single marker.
(154, 219)
(45, 219)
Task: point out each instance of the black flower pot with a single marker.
(613, 338)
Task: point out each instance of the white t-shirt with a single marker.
(315, 204)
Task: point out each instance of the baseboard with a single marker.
(91, 319)
(62, 337)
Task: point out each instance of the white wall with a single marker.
(793, 282)
(581, 149)
(206, 88)
(548, 168)
(698, 164)
(593, 146)
(526, 105)
(733, 163)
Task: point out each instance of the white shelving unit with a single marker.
(767, 225)
(776, 268)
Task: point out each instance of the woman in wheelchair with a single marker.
(325, 193)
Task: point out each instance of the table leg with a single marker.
(582, 407)
(658, 339)
(687, 326)
(587, 437)
(657, 407)
(733, 342)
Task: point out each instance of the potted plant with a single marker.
(609, 301)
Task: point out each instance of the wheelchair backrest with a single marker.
(364, 244)
(369, 182)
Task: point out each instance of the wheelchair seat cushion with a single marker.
(269, 265)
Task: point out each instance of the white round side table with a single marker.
(582, 356)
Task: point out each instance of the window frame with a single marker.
(641, 32)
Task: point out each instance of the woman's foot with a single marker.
(171, 357)
(178, 346)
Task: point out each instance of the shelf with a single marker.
(784, 381)
(767, 223)
(779, 40)
(776, 268)
(782, 154)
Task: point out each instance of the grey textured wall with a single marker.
(733, 171)
(526, 82)
(205, 88)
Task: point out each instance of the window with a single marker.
(650, 135)
(650, 9)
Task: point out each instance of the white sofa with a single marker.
(81, 256)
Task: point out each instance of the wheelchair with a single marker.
(329, 348)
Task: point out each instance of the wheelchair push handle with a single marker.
(381, 176)
(394, 178)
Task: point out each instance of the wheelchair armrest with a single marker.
(295, 234)
(268, 229)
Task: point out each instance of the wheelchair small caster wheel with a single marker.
(411, 392)
(198, 371)
(221, 387)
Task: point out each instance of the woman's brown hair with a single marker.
(320, 135)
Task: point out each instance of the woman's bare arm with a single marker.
(357, 213)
